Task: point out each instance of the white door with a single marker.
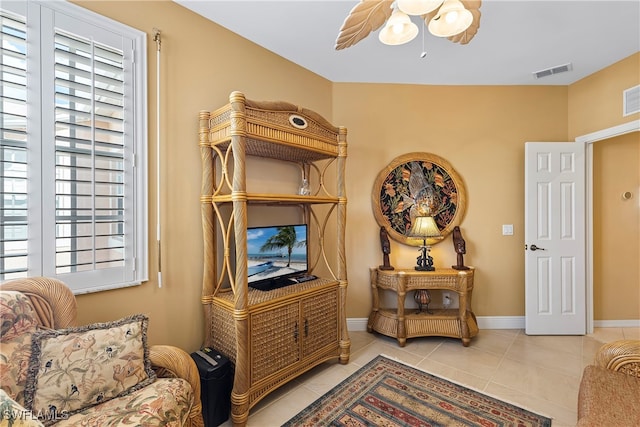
(555, 238)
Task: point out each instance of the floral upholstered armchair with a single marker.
(53, 372)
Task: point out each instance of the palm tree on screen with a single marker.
(285, 238)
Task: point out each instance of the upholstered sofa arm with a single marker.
(172, 362)
(622, 355)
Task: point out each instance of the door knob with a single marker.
(537, 248)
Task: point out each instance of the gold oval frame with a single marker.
(391, 193)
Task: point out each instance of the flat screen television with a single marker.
(277, 256)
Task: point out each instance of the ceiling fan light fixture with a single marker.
(451, 19)
(418, 7)
(398, 30)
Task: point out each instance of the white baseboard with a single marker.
(506, 322)
(500, 322)
(632, 323)
(357, 323)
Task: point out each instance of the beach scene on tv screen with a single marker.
(276, 251)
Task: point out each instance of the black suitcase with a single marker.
(216, 382)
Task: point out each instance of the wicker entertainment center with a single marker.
(271, 336)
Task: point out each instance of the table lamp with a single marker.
(425, 227)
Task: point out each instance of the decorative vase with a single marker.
(304, 188)
(422, 298)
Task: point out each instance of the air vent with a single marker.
(631, 101)
(553, 70)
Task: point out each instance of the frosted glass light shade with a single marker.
(418, 7)
(451, 19)
(398, 30)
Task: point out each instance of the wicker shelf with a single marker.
(402, 323)
(273, 336)
(278, 199)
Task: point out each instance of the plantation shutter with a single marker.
(13, 147)
(89, 155)
(74, 201)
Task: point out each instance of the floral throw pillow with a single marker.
(76, 368)
(18, 316)
(19, 321)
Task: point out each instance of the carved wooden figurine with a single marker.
(386, 249)
(460, 247)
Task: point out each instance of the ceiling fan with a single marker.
(457, 20)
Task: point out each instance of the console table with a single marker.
(404, 323)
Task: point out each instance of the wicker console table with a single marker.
(404, 323)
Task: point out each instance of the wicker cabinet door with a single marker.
(319, 322)
(275, 340)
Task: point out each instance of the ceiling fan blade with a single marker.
(365, 17)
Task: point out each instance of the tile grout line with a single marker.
(504, 355)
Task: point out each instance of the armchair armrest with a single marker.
(172, 362)
(622, 355)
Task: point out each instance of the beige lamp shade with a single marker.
(418, 7)
(424, 227)
(398, 30)
(451, 19)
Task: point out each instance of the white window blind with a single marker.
(13, 147)
(76, 167)
(90, 151)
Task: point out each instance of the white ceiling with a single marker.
(515, 39)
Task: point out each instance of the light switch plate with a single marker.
(507, 229)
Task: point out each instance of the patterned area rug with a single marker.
(389, 393)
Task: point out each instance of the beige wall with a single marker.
(595, 103)
(616, 278)
(201, 64)
(480, 130)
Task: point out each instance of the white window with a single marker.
(73, 160)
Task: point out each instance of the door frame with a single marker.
(589, 139)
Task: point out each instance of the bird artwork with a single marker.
(369, 15)
(422, 198)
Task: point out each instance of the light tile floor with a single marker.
(539, 373)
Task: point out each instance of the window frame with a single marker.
(41, 236)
